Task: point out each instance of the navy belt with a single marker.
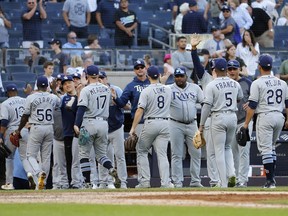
(182, 122)
(97, 118)
(159, 118)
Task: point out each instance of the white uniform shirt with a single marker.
(270, 93)
(222, 93)
(155, 100)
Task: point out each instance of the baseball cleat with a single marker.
(169, 185)
(196, 184)
(123, 186)
(31, 181)
(7, 186)
(116, 180)
(143, 185)
(269, 184)
(41, 181)
(241, 185)
(232, 181)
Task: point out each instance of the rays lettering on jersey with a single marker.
(226, 84)
(184, 96)
(270, 83)
(99, 89)
(139, 88)
(40, 100)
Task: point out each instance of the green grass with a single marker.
(103, 210)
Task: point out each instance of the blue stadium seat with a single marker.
(19, 84)
(23, 76)
(3, 98)
(107, 43)
(150, 7)
(280, 38)
(20, 68)
(5, 76)
(38, 69)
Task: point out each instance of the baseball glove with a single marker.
(242, 136)
(4, 151)
(14, 138)
(130, 142)
(84, 136)
(198, 140)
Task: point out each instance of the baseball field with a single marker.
(155, 201)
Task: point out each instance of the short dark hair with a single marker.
(48, 63)
(91, 38)
(180, 37)
(266, 68)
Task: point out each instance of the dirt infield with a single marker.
(176, 198)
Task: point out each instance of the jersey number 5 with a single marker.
(228, 99)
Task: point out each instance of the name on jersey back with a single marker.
(99, 89)
(160, 90)
(16, 101)
(41, 100)
(271, 83)
(226, 84)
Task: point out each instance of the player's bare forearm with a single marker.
(23, 121)
(249, 115)
(137, 118)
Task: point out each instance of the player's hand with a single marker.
(201, 128)
(28, 89)
(132, 132)
(271, 34)
(113, 93)
(286, 124)
(245, 126)
(195, 40)
(53, 85)
(76, 130)
(245, 106)
(83, 79)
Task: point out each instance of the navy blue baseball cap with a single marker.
(265, 60)
(55, 41)
(92, 70)
(66, 78)
(192, 3)
(11, 87)
(102, 74)
(220, 64)
(153, 72)
(59, 77)
(42, 81)
(180, 71)
(225, 7)
(233, 64)
(76, 75)
(139, 62)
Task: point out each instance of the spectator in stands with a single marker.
(249, 51)
(231, 55)
(77, 63)
(147, 60)
(92, 4)
(126, 23)
(93, 43)
(193, 21)
(35, 58)
(105, 17)
(176, 7)
(181, 57)
(75, 48)
(283, 70)
(283, 19)
(77, 16)
(214, 7)
(4, 36)
(269, 6)
(88, 62)
(60, 59)
(216, 45)
(262, 27)
(32, 18)
(184, 8)
(228, 25)
(240, 15)
(203, 7)
(168, 70)
(48, 72)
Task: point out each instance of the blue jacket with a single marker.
(132, 93)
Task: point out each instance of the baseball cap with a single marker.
(11, 87)
(204, 52)
(59, 77)
(55, 41)
(214, 28)
(92, 70)
(42, 81)
(180, 71)
(66, 78)
(70, 70)
(225, 7)
(102, 74)
(192, 3)
(265, 60)
(233, 64)
(76, 75)
(167, 56)
(153, 72)
(139, 62)
(220, 64)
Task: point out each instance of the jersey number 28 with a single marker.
(277, 94)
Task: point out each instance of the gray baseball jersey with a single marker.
(95, 97)
(270, 92)
(206, 78)
(155, 100)
(183, 104)
(40, 107)
(12, 110)
(222, 93)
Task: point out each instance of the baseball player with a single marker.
(154, 104)
(268, 97)
(11, 112)
(221, 96)
(38, 112)
(241, 155)
(182, 126)
(115, 138)
(133, 89)
(93, 110)
(205, 77)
